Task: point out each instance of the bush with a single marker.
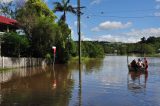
(92, 49)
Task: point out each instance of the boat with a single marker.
(143, 69)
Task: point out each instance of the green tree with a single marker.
(15, 45)
(62, 42)
(64, 7)
(27, 15)
(37, 20)
(143, 40)
(92, 49)
(43, 36)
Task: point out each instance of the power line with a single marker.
(125, 11)
(103, 13)
(110, 16)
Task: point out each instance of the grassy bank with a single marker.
(5, 69)
(153, 55)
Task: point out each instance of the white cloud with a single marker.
(112, 38)
(95, 2)
(144, 33)
(112, 25)
(117, 38)
(129, 37)
(134, 35)
(109, 38)
(84, 38)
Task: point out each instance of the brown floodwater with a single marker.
(97, 82)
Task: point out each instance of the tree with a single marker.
(43, 36)
(15, 45)
(62, 42)
(143, 40)
(64, 7)
(37, 20)
(28, 14)
(92, 49)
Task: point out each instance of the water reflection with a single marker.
(92, 65)
(21, 72)
(80, 85)
(94, 83)
(137, 81)
(51, 87)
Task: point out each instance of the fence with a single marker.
(10, 62)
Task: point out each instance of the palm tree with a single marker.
(64, 7)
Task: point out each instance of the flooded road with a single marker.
(100, 82)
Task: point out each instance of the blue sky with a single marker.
(116, 20)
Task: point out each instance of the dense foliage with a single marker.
(147, 46)
(92, 49)
(15, 45)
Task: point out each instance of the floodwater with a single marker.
(100, 82)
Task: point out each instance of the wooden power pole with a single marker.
(79, 29)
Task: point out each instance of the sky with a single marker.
(115, 20)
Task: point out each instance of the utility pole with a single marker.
(79, 29)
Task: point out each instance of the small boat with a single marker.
(136, 68)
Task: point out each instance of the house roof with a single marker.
(7, 21)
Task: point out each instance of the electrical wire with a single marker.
(110, 16)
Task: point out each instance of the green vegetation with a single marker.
(14, 45)
(149, 47)
(92, 49)
(64, 7)
(6, 69)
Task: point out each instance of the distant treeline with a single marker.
(148, 46)
(14, 46)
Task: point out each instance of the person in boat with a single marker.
(133, 63)
(145, 63)
(140, 63)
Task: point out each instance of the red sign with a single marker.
(54, 49)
